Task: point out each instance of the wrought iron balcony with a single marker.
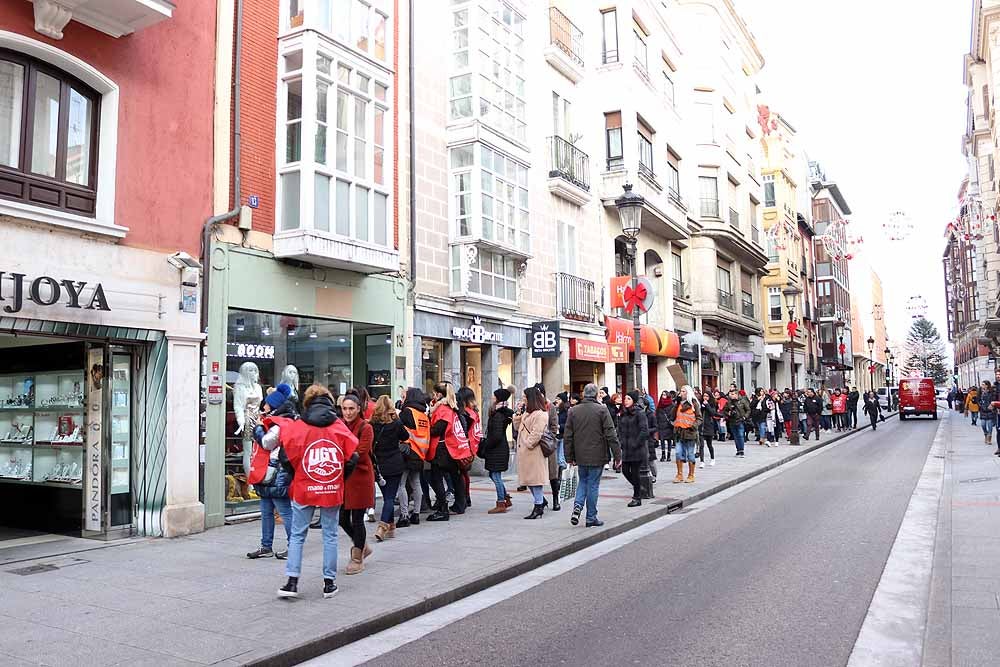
(569, 163)
(576, 297)
(709, 207)
(565, 35)
(726, 300)
(680, 289)
(734, 218)
(748, 309)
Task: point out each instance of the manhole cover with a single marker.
(976, 480)
(33, 569)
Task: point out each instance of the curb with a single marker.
(334, 640)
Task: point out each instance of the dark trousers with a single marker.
(389, 497)
(353, 523)
(812, 425)
(425, 486)
(447, 467)
(666, 445)
(852, 416)
(631, 472)
(701, 448)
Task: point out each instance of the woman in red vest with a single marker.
(359, 491)
(413, 414)
(321, 450)
(452, 452)
(465, 398)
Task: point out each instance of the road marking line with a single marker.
(893, 631)
(397, 636)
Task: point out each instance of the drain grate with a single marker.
(976, 480)
(33, 569)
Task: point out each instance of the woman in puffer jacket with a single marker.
(273, 491)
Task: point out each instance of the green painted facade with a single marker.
(244, 279)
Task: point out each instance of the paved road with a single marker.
(780, 574)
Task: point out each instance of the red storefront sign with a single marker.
(582, 349)
(618, 286)
(618, 354)
(654, 341)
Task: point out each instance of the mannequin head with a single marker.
(249, 373)
(290, 376)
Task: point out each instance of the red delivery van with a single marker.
(917, 397)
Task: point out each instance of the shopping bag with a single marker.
(568, 483)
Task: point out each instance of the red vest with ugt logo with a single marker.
(318, 455)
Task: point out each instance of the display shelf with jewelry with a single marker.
(62, 466)
(64, 429)
(17, 392)
(16, 429)
(56, 390)
(15, 464)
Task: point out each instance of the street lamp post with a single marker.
(791, 295)
(629, 207)
(871, 365)
(841, 348)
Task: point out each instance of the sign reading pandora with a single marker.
(47, 291)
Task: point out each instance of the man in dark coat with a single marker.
(588, 436)
(853, 398)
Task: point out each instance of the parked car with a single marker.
(884, 394)
(917, 397)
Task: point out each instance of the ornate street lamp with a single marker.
(791, 298)
(841, 348)
(629, 207)
(871, 365)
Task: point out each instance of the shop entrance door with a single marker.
(472, 370)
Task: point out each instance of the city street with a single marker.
(780, 574)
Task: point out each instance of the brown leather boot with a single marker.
(357, 564)
(391, 533)
(367, 552)
(501, 508)
(680, 472)
(381, 530)
(690, 479)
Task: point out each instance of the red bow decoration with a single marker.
(793, 329)
(635, 298)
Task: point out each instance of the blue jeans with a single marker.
(561, 455)
(536, 493)
(686, 450)
(267, 507)
(739, 436)
(762, 431)
(301, 516)
(497, 479)
(586, 490)
(389, 492)
(987, 424)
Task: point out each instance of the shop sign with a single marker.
(476, 333)
(653, 340)
(618, 285)
(46, 291)
(688, 352)
(215, 395)
(736, 357)
(93, 475)
(250, 351)
(618, 353)
(582, 349)
(545, 339)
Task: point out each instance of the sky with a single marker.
(874, 89)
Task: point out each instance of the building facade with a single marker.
(99, 170)
(305, 281)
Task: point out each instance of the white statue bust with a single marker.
(290, 376)
(246, 390)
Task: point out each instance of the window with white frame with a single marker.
(566, 248)
(673, 174)
(499, 184)
(356, 24)
(639, 43)
(645, 138)
(668, 83)
(774, 304)
(769, 199)
(487, 72)
(494, 275)
(609, 36)
(339, 186)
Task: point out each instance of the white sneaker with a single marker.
(371, 515)
(712, 463)
(701, 464)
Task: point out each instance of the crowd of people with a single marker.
(981, 404)
(317, 465)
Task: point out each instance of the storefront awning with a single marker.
(23, 325)
(654, 341)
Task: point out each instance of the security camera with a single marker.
(181, 260)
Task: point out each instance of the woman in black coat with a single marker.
(664, 426)
(495, 450)
(388, 458)
(872, 408)
(708, 414)
(633, 434)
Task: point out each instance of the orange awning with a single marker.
(654, 341)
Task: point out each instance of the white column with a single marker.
(183, 513)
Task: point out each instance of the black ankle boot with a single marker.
(290, 589)
(536, 512)
(555, 495)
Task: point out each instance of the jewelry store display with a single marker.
(16, 468)
(68, 472)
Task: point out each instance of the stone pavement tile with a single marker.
(974, 638)
(52, 646)
(974, 584)
(12, 661)
(69, 615)
(976, 599)
(156, 659)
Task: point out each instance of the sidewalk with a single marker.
(965, 604)
(198, 600)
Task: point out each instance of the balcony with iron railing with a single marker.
(569, 171)
(726, 300)
(680, 290)
(734, 218)
(565, 49)
(748, 309)
(709, 207)
(576, 298)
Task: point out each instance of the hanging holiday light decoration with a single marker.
(974, 220)
(834, 240)
(778, 236)
(898, 227)
(916, 306)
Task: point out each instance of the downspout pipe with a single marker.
(206, 230)
(413, 149)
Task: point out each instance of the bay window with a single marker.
(356, 24)
(48, 136)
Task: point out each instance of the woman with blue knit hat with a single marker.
(277, 477)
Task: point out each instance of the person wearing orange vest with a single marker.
(687, 418)
(495, 450)
(452, 452)
(469, 414)
(321, 450)
(420, 448)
